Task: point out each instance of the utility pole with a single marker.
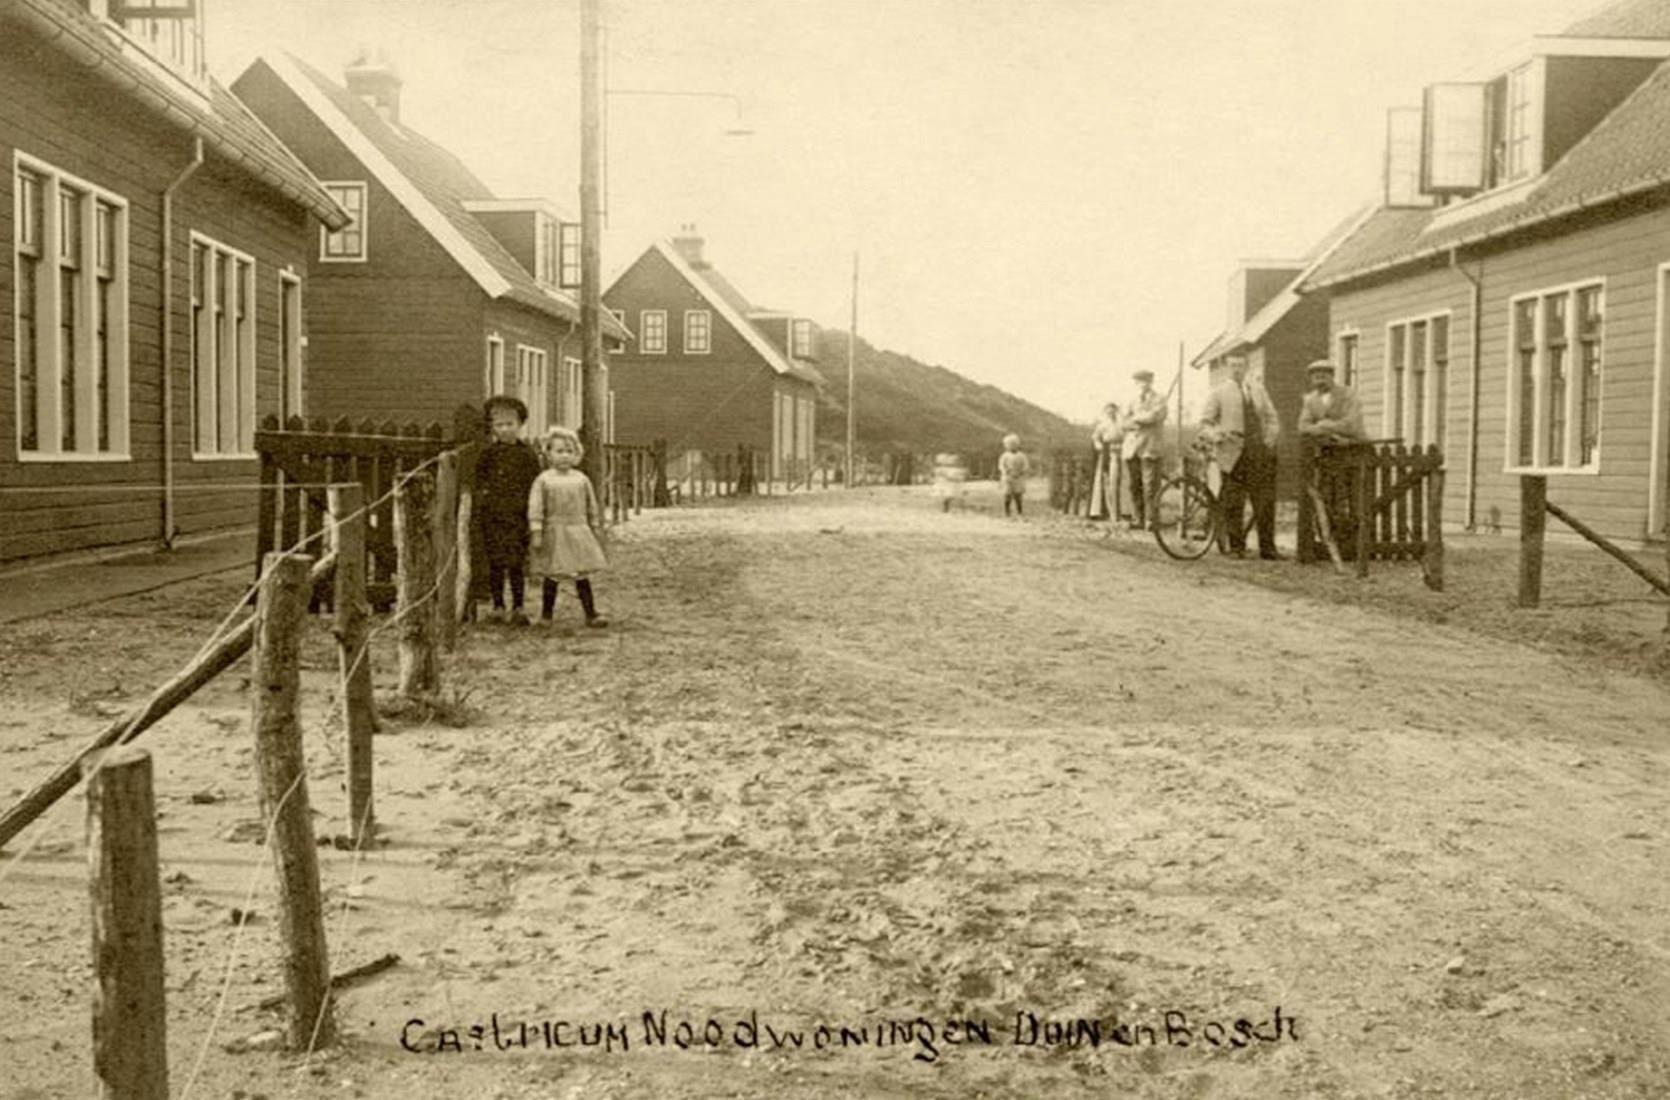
(595, 401)
(852, 347)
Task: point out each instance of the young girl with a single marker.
(1012, 469)
(563, 520)
(504, 474)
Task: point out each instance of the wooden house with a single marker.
(159, 266)
(709, 371)
(1278, 332)
(438, 293)
(1508, 300)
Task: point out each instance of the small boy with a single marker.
(1012, 469)
(503, 476)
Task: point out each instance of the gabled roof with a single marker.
(729, 303)
(431, 184)
(1627, 155)
(1256, 327)
(226, 126)
(1624, 19)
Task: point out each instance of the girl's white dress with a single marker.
(563, 509)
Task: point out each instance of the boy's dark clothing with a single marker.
(503, 476)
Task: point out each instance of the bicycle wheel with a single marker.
(1187, 518)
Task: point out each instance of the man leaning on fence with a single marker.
(1331, 419)
(1240, 421)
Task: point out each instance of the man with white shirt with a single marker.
(1240, 420)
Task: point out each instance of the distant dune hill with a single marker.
(905, 404)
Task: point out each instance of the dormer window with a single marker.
(800, 339)
(1514, 122)
(169, 32)
(569, 251)
(546, 249)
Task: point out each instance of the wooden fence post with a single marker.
(446, 546)
(352, 610)
(1533, 521)
(274, 685)
(415, 604)
(463, 600)
(1364, 490)
(1305, 550)
(1432, 561)
(130, 1048)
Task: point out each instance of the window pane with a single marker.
(28, 355)
(69, 227)
(1525, 343)
(29, 212)
(1396, 349)
(67, 316)
(1440, 377)
(102, 341)
(1417, 382)
(1589, 353)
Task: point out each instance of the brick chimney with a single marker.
(689, 243)
(377, 83)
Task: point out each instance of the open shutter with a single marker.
(1455, 139)
(1403, 159)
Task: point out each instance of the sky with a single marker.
(1044, 195)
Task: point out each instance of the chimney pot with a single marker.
(689, 245)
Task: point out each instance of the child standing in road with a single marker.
(503, 475)
(563, 520)
(1012, 469)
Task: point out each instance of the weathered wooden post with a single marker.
(415, 606)
(1432, 560)
(1533, 521)
(352, 610)
(1363, 487)
(463, 602)
(446, 547)
(274, 685)
(1305, 551)
(130, 1049)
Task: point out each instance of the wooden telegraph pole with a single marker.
(852, 346)
(594, 400)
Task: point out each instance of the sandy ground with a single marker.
(845, 761)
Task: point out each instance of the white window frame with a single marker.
(1434, 404)
(358, 223)
(800, 338)
(493, 380)
(546, 250)
(1349, 369)
(569, 257)
(291, 361)
(645, 329)
(209, 390)
(572, 393)
(48, 315)
(1572, 436)
(533, 386)
(706, 316)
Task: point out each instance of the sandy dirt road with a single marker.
(844, 760)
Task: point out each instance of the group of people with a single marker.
(1240, 423)
(538, 515)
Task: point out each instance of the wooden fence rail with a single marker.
(1376, 500)
(1534, 508)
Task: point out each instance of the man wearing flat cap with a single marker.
(1141, 448)
(1240, 421)
(1331, 412)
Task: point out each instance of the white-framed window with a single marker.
(1417, 379)
(1555, 348)
(533, 386)
(222, 350)
(1518, 125)
(348, 244)
(652, 332)
(289, 345)
(698, 331)
(568, 252)
(1346, 356)
(570, 393)
(493, 381)
(800, 338)
(71, 302)
(545, 249)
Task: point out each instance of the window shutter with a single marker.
(1403, 160)
(1455, 138)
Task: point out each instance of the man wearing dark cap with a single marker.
(1331, 413)
(1141, 449)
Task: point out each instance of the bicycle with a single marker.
(1189, 517)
